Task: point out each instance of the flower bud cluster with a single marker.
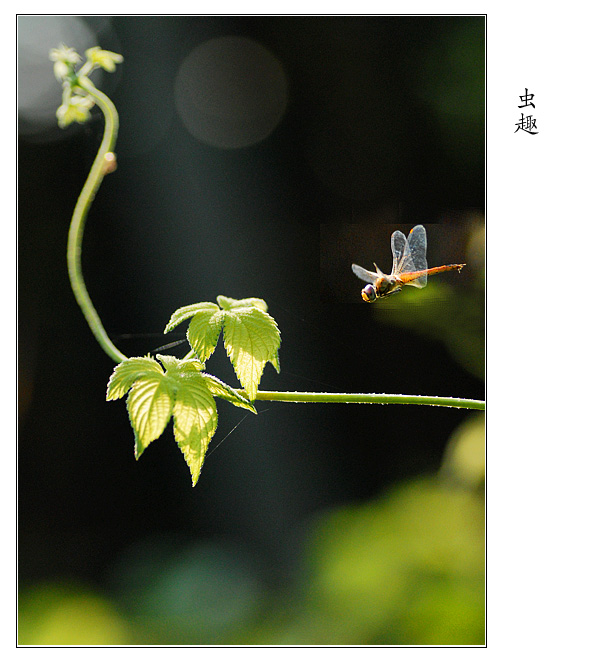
(76, 102)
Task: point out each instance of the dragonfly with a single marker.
(409, 267)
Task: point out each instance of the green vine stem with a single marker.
(367, 398)
(99, 168)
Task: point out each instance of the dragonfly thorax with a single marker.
(383, 285)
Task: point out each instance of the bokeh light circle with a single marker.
(231, 92)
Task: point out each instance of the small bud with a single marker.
(103, 58)
(110, 163)
(77, 109)
(65, 60)
(61, 70)
(64, 54)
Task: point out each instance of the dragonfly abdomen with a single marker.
(414, 275)
(447, 267)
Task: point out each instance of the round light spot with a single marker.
(231, 92)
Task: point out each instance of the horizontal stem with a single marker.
(368, 398)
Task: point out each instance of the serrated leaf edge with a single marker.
(145, 365)
(222, 390)
(234, 352)
(186, 312)
(210, 336)
(153, 422)
(183, 440)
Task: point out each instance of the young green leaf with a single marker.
(195, 422)
(220, 389)
(203, 331)
(170, 362)
(251, 339)
(204, 328)
(149, 404)
(227, 303)
(186, 312)
(127, 373)
(250, 335)
(182, 391)
(188, 366)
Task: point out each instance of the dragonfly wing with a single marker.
(364, 275)
(417, 250)
(419, 282)
(398, 246)
(402, 255)
(417, 245)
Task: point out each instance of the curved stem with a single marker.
(367, 398)
(76, 233)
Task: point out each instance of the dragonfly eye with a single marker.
(369, 294)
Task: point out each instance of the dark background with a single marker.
(383, 129)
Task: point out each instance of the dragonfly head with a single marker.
(369, 294)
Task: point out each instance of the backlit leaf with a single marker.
(251, 339)
(190, 366)
(220, 389)
(127, 373)
(227, 303)
(182, 314)
(203, 331)
(178, 388)
(170, 362)
(195, 422)
(149, 405)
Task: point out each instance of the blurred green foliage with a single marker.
(407, 568)
(464, 460)
(69, 614)
(452, 82)
(444, 314)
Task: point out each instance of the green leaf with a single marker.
(127, 373)
(149, 404)
(203, 331)
(227, 303)
(182, 391)
(220, 389)
(195, 422)
(170, 362)
(189, 366)
(177, 367)
(252, 339)
(274, 361)
(182, 314)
